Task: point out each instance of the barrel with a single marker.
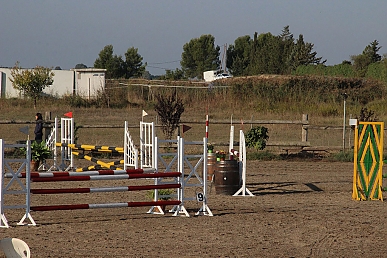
(211, 164)
(226, 177)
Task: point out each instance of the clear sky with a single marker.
(64, 33)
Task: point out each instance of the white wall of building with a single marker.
(83, 82)
(89, 81)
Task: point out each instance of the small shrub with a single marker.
(169, 109)
(256, 137)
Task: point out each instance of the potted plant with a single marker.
(210, 148)
(39, 153)
(220, 155)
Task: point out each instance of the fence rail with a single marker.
(304, 139)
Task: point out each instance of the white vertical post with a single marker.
(242, 165)
(72, 142)
(231, 144)
(345, 97)
(205, 210)
(152, 142)
(55, 135)
(126, 148)
(3, 220)
(67, 137)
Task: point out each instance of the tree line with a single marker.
(263, 53)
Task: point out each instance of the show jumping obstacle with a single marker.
(129, 175)
(150, 157)
(15, 177)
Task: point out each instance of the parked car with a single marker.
(222, 76)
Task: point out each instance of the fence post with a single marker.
(47, 128)
(305, 123)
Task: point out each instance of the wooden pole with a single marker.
(305, 122)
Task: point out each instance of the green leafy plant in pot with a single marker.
(39, 153)
(210, 148)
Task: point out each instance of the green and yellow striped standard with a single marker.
(368, 161)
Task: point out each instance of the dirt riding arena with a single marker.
(300, 209)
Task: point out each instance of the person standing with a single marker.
(38, 127)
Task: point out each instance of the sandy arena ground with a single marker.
(300, 209)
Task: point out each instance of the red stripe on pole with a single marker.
(61, 178)
(60, 191)
(156, 175)
(60, 207)
(88, 190)
(87, 206)
(207, 124)
(97, 172)
(87, 178)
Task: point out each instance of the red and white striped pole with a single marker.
(207, 123)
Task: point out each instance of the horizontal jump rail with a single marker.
(90, 147)
(99, 162)
(104, 189)
(86, 173)
(106, 177)
(102, 205)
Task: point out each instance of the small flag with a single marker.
(24, 129)
(69, 114)
(144, 113)
(186, 128)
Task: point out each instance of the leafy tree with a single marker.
(360, 63)
(286, 35)
(370, 55)
(238, 56)
(371, 52)
(199, 55)
(173, 75)
(146, 75)
(80, 66)
(270, 54)
(113, 64)
(266, 55)
(116, 67)
(346, 62)
(31, 82)
(287, 44)
(133, 63)
(169, 109)
(302, 54)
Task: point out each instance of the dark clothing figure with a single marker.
(38, 127)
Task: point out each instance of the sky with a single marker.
(53, 33)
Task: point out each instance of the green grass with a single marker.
(341, 156)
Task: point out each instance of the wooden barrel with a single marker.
(226, 177)
(211, 164)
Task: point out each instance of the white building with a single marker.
(83, 82)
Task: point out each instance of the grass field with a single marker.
(194, 116)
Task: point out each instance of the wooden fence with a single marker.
(284, 135)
